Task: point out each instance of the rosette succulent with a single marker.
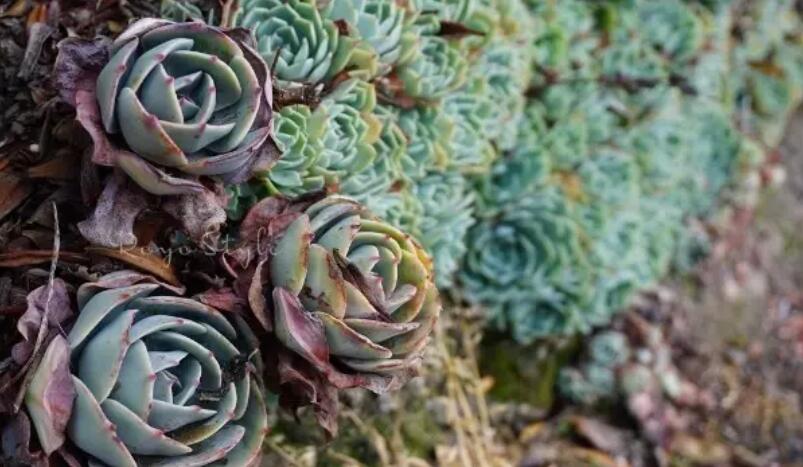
(306, 47)
(161, 379)
(379, 178)
(439, 68)
(298, 132)
(429, 132)
(470, 109)
(320, 148)
(528, 265)
(366, 285)
(447, 207)
(381, 24)
(186, 98)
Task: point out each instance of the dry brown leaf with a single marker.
(13, 191)
(64, 166)
(141, 259)
(37, 15)
(531, 431)
(17, 9)
(588, 457)
(601, 435)
(16, 259)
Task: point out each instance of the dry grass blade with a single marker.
(21, 258)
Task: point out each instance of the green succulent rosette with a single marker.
(349, 299)
(470, 111)
(321, 148)
(352, 130)
(529, 267)
(161, 379)
(514, 174)
(367, 283)
(429, 133)
(671, 28)
(381, 24)
(378, 180)
(503, 68)
(187, 99)
(305, 46)
(438, 68)
(447, 212)
(299, 135)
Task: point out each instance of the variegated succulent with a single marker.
(161, 379)
(366, 285)
(188, 99)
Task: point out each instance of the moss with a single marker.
(530, 380)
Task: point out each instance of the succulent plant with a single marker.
(381, 24)
(365, 287)
(671, 28)
(528, 266)
(436, 70)
(429, 133)
(447, 212)
(378, 180)
(298, 132)
(305, 47)
(161, 379)
(504, 67)
(186, 97)
(352, 130)
(470, 110)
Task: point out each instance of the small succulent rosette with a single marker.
(350, 300)
(158, 380)
(168, 102)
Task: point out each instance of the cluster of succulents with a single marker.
(540, 160)
(612, 124)
(633, 366)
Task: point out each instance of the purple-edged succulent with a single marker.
(167, 102)
(145, 378)
(350, 300)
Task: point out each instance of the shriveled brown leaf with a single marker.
(454, 30)
(20, 258)
(53, 299)
(201, 214)
(601, 435)
(141, 259)
(112, 222)
(222, 299)
(65, 166)
(18, 8)
(78, 65)
(13, 191)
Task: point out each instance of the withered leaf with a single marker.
(13, 191)
(20, 258)
(141, 259)
(112, 222)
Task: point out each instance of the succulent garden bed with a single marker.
(216, 213)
